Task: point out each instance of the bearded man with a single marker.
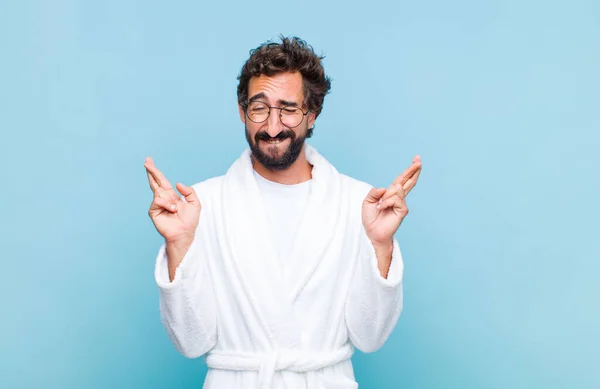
(279, 269)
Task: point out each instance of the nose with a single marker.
(274, 125)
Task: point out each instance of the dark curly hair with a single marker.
(291, 55)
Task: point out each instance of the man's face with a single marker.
(274, 145)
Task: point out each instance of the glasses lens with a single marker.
(258, 112)
(291, 116)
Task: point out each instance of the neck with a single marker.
(299, 172)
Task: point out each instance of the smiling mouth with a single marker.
(274, 141)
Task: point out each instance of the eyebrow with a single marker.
(261, 95)
(288, 103)
(258, 96)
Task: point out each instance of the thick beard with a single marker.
(283, 161)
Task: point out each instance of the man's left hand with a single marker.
(384, 209)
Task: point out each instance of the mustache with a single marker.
(262, 135)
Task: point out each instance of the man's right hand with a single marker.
(176, 220)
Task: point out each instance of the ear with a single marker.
(242, 113)
(311, 119)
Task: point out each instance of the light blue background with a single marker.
(500, 99)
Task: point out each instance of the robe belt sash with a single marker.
(278, 360)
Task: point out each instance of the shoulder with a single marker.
(356, 188)
(209, 190)
(209, 184)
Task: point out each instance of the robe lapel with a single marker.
(254, 255)
(317, 226)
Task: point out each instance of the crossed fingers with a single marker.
(155, 177)
(161, 187)
(405, 182)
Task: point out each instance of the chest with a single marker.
(284, 208)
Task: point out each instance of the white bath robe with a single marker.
(264, 325)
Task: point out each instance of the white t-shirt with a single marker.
(284, 205)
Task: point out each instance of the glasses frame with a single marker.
(280, 115)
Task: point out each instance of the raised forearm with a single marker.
(175, 252)
(187, 302)
(384, 257)
(375, 298)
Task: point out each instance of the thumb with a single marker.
(189, 193)
(374, 195)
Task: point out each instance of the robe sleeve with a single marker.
(187, 305)
(374, 303)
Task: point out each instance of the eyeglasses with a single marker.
(259, 112)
